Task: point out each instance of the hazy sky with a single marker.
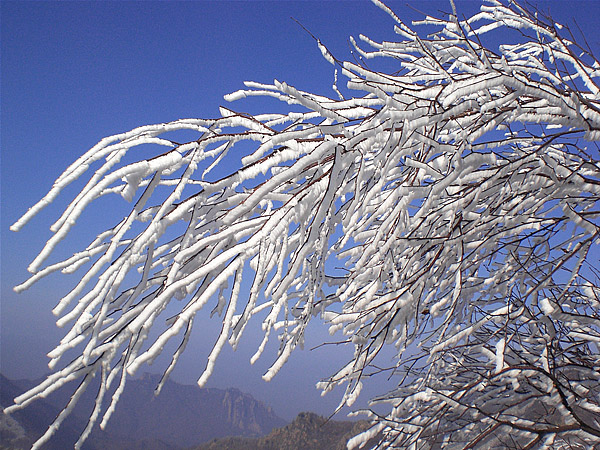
(74, 72)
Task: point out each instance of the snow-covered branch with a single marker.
(460, 192)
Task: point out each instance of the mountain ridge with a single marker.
(308, 431)
(182, 417)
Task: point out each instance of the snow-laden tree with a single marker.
(460, 193)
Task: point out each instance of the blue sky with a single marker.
(74, 72)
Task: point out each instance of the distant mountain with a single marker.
(307, 432)
(186, 415)
(180, 417)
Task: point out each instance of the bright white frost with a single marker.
(461, 193)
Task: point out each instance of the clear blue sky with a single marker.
(74, 72)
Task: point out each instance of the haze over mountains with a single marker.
(181, 417)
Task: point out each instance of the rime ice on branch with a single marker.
(461, 193)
